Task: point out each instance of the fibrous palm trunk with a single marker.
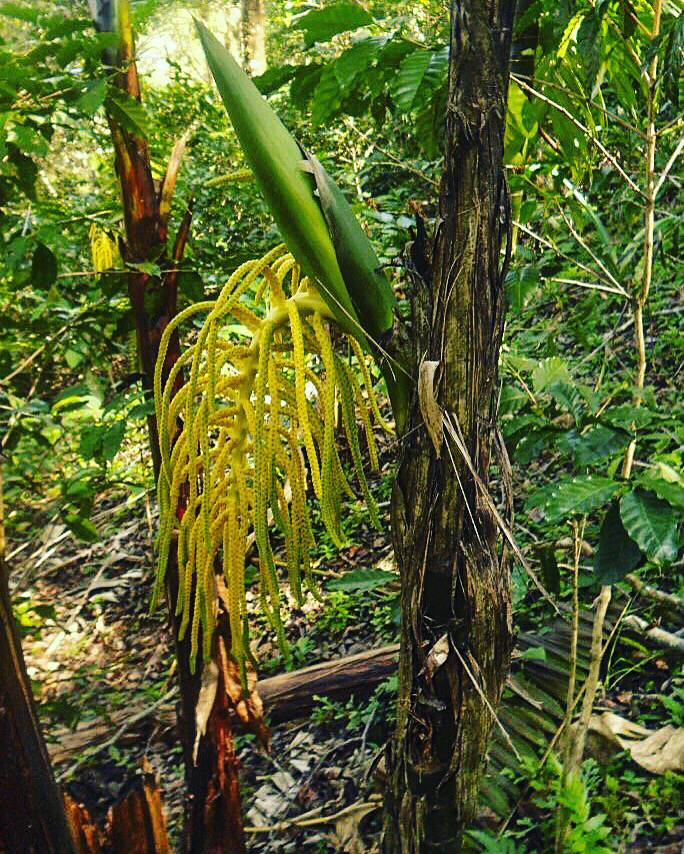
(455, 603)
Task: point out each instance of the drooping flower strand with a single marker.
(241, 438)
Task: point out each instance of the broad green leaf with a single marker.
(673, 493)
(568, 397)
(581, 494)
(652, 523)
(112, 438)
(429, 123)
(436, 72)
(520, 283)
(617, 552)
(272, 79)
(551, 370)
(354, 61)
(327, 96)
(43, 267)
(408, 81)
(598, 443)
(28, 140)
(362, 579)
(320, 25)
(627, 414)
(20, 11)
(589, 46)
(93, 97)
(126, 112)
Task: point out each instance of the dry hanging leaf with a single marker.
(437, 655)
(429, 408)
(657, 752)
(205, 702)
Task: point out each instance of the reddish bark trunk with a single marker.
(32, 817)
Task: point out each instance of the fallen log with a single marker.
(291, 695)
(285, 697)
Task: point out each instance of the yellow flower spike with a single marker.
(367, 381)
(241, 431)
(347, 401)
(302, 406)
(329, 497)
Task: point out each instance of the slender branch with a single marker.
(578, 97)
(592, 286)
(655, 633)
(671, 600)
(589, 251)
(551, 245)
(585, 130)
(668, 166)
(597, 649)
(641, 297)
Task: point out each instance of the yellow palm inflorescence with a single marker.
(238, 438)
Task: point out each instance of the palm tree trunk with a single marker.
(456, 601)
(32, 818)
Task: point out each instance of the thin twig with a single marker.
(578, 124)
(550, 245)
(588, 249)
(668, 166)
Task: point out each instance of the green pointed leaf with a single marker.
(651, 523)
(368, 287)
(320, 25)
(520, 283)
(112, 439)
(550, 371)
(272, 79)
(408, 81)
(617, 552)
(327, 96)
(673, 493)
(568, 397)
(93, 97)
(127, 112)
(581, 494)
(354, 61)
(589, 46)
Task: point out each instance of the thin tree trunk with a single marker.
(254, 36)
(32, 817)
(456, 601)
(212, 821)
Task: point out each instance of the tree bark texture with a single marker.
(212, 821)
(254, 36)
(32, 816)
(456, 601)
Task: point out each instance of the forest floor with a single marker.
(103, 674)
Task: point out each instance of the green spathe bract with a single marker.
(276, 159)
(313, 216)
